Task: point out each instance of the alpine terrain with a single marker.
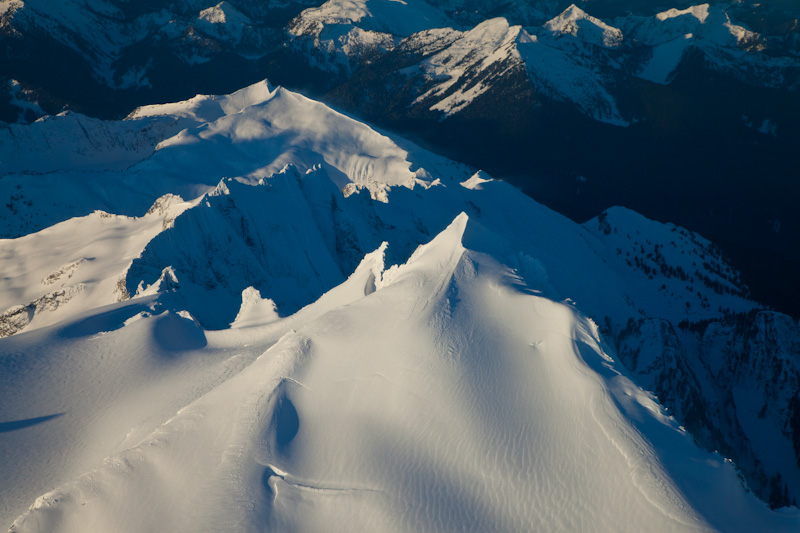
(340, 298)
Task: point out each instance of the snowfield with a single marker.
(332, 329)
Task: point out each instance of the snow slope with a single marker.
(400, 18)
(254, 133)
(447, 397)
(59, 272)
(112, 377)
(574, 58)
(266, 158)
(335, 36)
(459, 67)
(466, 386)
(576, 22)
(587, 62)
(706, 22)
(728, 47)
(469, 65)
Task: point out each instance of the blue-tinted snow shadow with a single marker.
(102, 323)
(14, 425)
(528, 276)
(283, 427)
(286, 424)
(175, 333)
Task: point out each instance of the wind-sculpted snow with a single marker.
(115, 375)
(250, 134)
(260, 236)
(294, 235)
(77, 142)
(452, 397)
(465, 388)
(74, 266)
(293, 232)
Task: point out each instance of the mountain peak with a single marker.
(576, 22)
(401, 18)
(709, 23)
(700, 12)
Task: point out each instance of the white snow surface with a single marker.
(576, 22)
(397, 17)
(704, 22)
(334, 36)
(451, 397)
(366, 382)
(279, 128)
(255, 310)
(710, 29)
(186, 149)
(472, 62)
(489, 44)
(223, 20)
(58, 272)
(570, 75)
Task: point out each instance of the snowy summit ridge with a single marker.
(576, 22)
(331, 326)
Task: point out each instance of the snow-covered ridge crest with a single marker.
(485, 53)
(576, 22)
(582, 60)
(480, 331)
(700, 12)
(400, 18)
(224, 19)
(308, 134)
(469, 64)
(298, 155)
(77, 142)
(185, 148)
(727, 46)
(207, 108)
(335, 36)
(76, 273)
(355, 412)
(702, 22)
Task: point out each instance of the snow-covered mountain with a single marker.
(572, 57)
(539, 93)
(126, 48)
(254, 311)
(105, 57)
(102, 32)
